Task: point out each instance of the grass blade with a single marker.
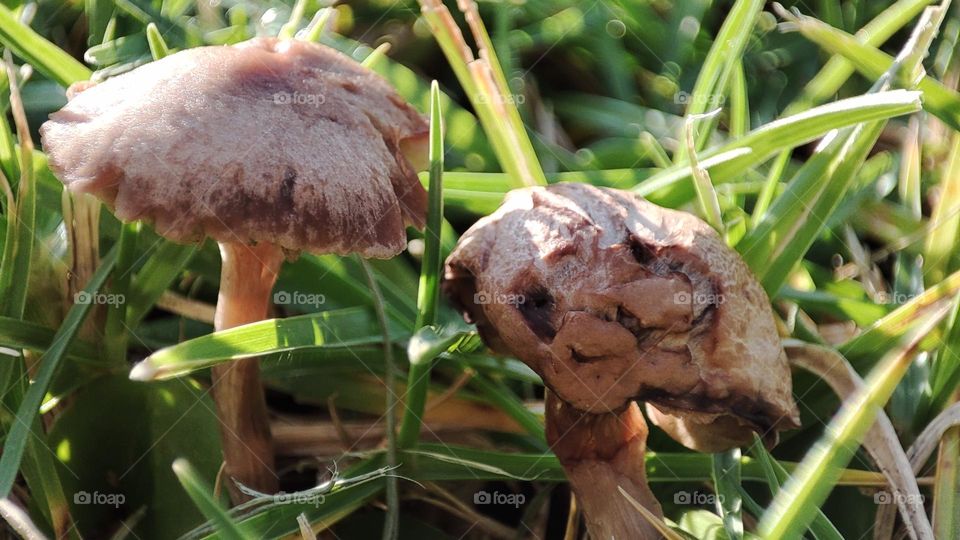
(391, 524)
(884, 333)
(428, 294)
(727, 162)
(29, 407)
(38, 52)
(873, 63)
(342, 328)
(726, 481)
(791, 511)
(202, 496)
(158, 47)
(720, 65)
(154, 277)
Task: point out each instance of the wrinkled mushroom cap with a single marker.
(269, 140)
(611, 298)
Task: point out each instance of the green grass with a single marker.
(822, 140)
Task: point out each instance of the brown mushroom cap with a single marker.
(269, 140)
(611, 298)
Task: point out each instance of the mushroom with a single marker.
(270, 147)
(612, 299)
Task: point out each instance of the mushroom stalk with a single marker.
(246, 281)
(599, 453)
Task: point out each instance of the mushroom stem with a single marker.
(600, 452)
(247, 277)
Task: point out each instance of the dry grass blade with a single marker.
(18, 520)
(918, 455)
(880, 441)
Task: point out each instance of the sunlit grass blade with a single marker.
(158, 47)
(885, 332)
(49, 362)
(428, 294)
(791, 511)
(480, 80)
(289, 29)
(838, 69)
(318, 25)
(873, 63)
(821, 527)
(720, 65)
(340, 328)
(202, 496)
(727, 162)
(791, 225)
(38, 52)
(940, 244)
(798, 215)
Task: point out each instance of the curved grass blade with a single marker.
(342, 328)
(392, 521)
(791, 511)
(279, 519)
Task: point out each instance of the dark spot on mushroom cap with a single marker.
(643, 253)
(287, 186)
(537, 309)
